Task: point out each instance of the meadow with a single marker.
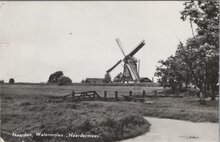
(24, 109)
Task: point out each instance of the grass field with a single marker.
(24, 109)
(59, 90)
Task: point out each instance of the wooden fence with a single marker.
(118, 96)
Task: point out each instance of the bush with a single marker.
(11, 80)
(59, 78)
(54, 78)
(64, 80)
(118, 129)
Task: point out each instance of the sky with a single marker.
(78, 37)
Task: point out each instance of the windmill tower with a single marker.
(130, 66)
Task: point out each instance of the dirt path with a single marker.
(169, 130)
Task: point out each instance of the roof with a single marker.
(145, 79)
(94, 78)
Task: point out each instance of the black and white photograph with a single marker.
(109, 71)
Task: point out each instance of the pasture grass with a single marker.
(26, 110)
(32, 115)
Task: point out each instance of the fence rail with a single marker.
(118, 96)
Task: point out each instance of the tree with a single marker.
(64, 80)
(59, 78)
(83, 81)
(172, 73)
(107, 78)
(204, 70)
(166, 75)
(201, 52)
(55, 77)
(198, 60)
(11, 80)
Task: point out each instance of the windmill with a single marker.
(130, 67)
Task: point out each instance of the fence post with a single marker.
(130, 93)
(178, 92)
(83, 96)
(143, 95)
(94, 95)
(116, 95)
(73, 94)
(187, 92)
(155, 93)
(105, 95)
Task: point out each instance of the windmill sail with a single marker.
(114, 66)
(136, 49)
(120, 46)
(133, 70)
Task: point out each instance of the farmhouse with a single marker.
(145, 79)
(94, 80)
